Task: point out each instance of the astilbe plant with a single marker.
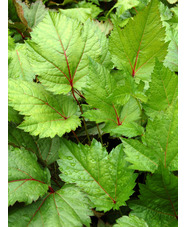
(93, 113)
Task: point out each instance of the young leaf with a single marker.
(61, 64)
(47, 115)
(123, 6)
(66, 207)
(119, 119)
(19, 65)
(136, 46)
(46, 149)
(27, 181)
(163, 91)
(160, 143)
(35, 13)
(130, 221)
(88, 5)
(158, 203)
(105, 178)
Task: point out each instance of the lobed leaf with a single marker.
(119, 119)
(27, 181)
(158, 203)
(160, 144)
(130, 221)
(19, 65)
(136, 46)
(105, 178)
(163, 91)
(46, 149)
(60, 63)
(47, 115)
(65, 207)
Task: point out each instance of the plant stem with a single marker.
(76, 136)
(89, 141)
(99, 132)
(110, 11)
(120, 212)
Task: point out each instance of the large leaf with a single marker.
(105, 178)
(66, 207)
(60, 63)
(27, 181)
(163, 91)
(130, 221)
(158, 203)
(19, 65)
(46, 149)
(136, 46)
(160, 144)
(119, 119)
(47, 115)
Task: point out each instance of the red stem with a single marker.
(117, 117)
(135, 9)
(76, 136)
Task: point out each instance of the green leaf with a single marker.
(46, 114)
(105, 26)
(14, 116)
(172, 1)
(35, 13)
(12, 14)
(95, 9)
(160, 144)
(20, 12)
(174, 20)
(27, 181)
(11, 44)
(19, 138)
(126, 87)
(130, 221)
(136, 46)
(46, 149)
(158, 200)
(19, 65)
(163, 91)
(105, 178)
(171, 60)
(141, 156)
(123, 6)
(81, 14)
(66, 207)
(119, 119)
(60, 63)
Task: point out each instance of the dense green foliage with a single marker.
(93, 113)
